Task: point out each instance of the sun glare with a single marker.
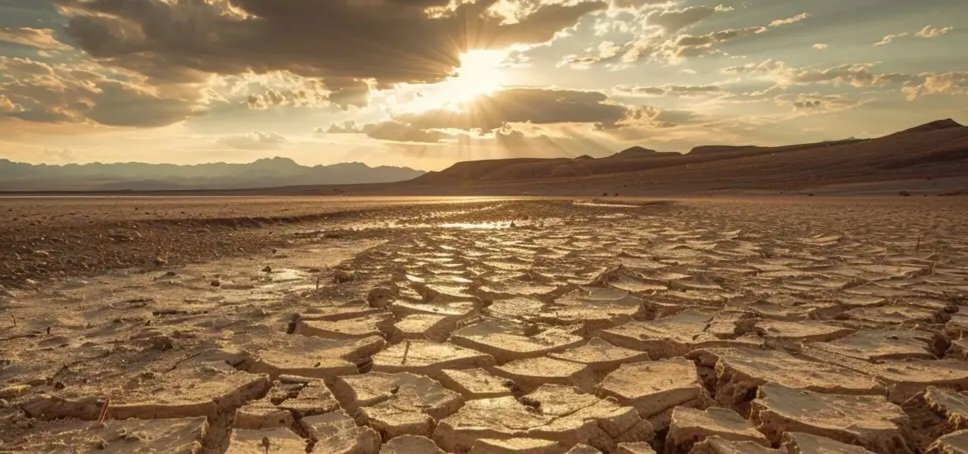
(480, 73)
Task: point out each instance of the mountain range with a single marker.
(930, 158)
(133, 176)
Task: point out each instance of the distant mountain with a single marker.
(929, 158)
(264, 173)
(641, 152)
(933, 156)
(938, 125)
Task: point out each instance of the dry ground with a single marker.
(767, 325)
(49, 237)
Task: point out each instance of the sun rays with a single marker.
(481, 72)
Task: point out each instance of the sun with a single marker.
(480, 72)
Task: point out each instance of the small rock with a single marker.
(162, 343)
(13, 390)
(341, 276)
(167, 275)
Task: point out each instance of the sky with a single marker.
(426, 83)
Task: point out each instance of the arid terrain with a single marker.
(809, 325)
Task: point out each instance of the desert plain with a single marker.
(484, 325)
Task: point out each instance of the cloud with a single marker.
(6, 105)
(820, 46)
(605, 50)
(890, 39)
(670, 45)
(684, 91)
(296, 98)
(858, 75)
(269, 90)
(344, 42)
(256, 140)
(853, 74)
(347, 127)
(351, 95)
(953, 83)
(810, 103)
(124, 104)
(790, 20)
(401, 132)
(659, 32)
(669, 118)
(524, 105)
(693, 46)
(933, 32)
(674, 20)
(578, 115)
(391, 130)
(636, 3)
(40, 38)
(928, 32)
(63, 93)
(653, 31)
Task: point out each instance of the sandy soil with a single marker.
(413, 326)
(54, 237)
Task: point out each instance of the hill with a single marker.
(931, 155)
(133, 176)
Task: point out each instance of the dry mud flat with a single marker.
(518, 327)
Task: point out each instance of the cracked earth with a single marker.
(520, 326)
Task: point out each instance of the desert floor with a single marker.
(425, 325)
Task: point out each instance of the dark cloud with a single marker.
(122, 104)
(310, 93)
(41, 92)
(343, 41)
(668, 118)
(355, 94)
(818, 103)
(390, 130)
(525, 105)
(401, 132)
